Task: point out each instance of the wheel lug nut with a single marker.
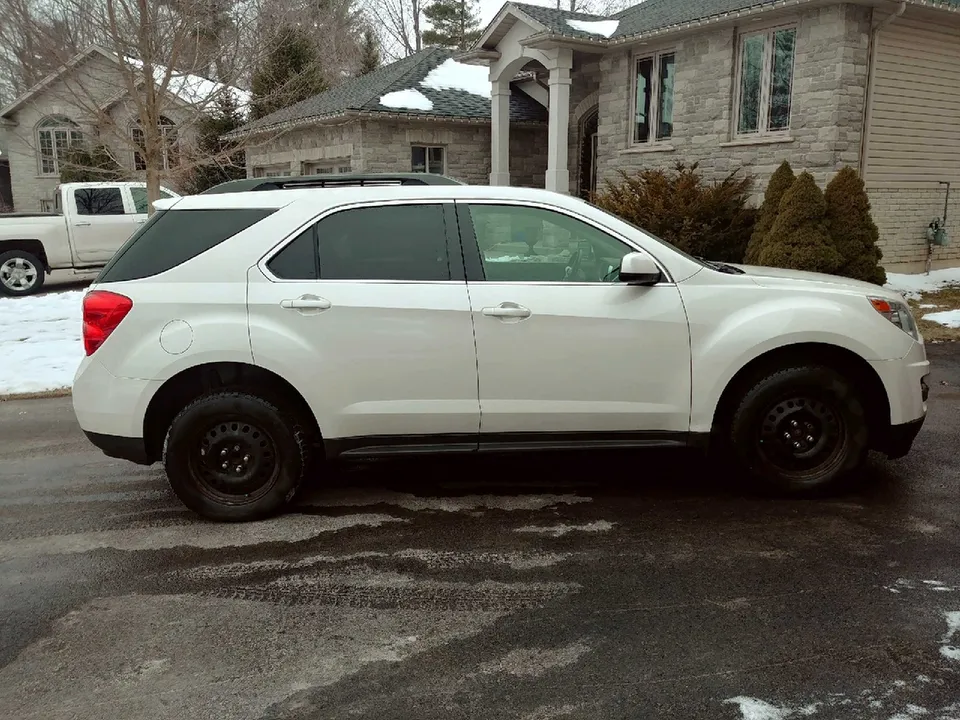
(797, 445)
(786, 436)
(239, 469)
(225, 465)
(236, 448)
(223, 453)
(246, 458)
(809, 438)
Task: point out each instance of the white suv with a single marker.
(237, 336)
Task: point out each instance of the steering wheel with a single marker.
(573, 267)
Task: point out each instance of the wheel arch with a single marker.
(184, 387)
(854, 368)
(30, 245)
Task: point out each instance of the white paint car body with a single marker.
(388, 366)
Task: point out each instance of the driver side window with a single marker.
(525, 244)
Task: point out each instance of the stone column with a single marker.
(558, 172)
(500, 132)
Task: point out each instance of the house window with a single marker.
(327, 167)
(168, 138)
(55, 135)
(653, 97)
(427, 159)
(272, 171)
(765, 87)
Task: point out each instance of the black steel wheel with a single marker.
(235, 456)
(800, 428)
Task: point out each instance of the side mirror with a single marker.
(639, 269)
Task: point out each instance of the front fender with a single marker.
(720, 349)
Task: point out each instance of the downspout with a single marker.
(868, 95)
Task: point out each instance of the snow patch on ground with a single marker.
(912, 285)
(534, 662)
(448, 560)
(948, 318)
(754, 709)
(903, 584)
(353, 498)
(453, 75)
(561, 530)
(40, 342)
(409, 99)
(948, 650)
(595, 27)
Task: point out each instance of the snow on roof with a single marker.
(595, 27)
(409, 99)
(453, 75)
(193, 89)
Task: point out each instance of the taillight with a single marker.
(102, 312)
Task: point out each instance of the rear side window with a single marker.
(390, 242)
(172, 237)
(99, 201)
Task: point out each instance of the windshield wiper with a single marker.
(721, 267)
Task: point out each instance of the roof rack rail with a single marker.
(330, 181)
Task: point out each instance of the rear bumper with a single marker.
(122, 448)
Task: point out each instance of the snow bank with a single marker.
(595, 27)
(453, 75)
(912, 285)
(40, 342)
(407, 100)
(948, 318)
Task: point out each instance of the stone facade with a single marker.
(826, 118)
(381, 145)
(95, 80)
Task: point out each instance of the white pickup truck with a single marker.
(89, 223)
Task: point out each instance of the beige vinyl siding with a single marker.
(914, 135)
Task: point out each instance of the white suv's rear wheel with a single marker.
(800, 429)
(234, 456)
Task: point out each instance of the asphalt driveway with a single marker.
(595, 586)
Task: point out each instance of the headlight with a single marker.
(898, 313)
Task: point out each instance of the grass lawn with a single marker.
(934, 302)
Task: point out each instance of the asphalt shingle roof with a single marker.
(363, 94)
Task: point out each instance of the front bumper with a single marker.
(122, 448)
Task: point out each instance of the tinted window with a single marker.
(172, 237)
(398, 242)
(140, 199)
(522, 244)
(298, 260)
(99, 201)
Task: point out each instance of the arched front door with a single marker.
(587, 181)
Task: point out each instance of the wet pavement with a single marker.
(595, 586)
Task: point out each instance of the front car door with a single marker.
(562, 346)
(100, 223)
(365, 311)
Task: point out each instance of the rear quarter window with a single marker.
(172, 237)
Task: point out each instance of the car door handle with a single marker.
(507, 310)
(81, 224)
(300, 303)
(139, 222)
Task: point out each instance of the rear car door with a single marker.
(365, 311)
(562, 346)
(100, 223)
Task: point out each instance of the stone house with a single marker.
(424, 113)
(732, 84)
(86, 102)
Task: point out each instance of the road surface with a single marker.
(594, 586)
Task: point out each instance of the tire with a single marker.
(825, 420)
(247, 432)
(21, 273)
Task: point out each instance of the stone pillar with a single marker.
(558, 172)
(500, 132)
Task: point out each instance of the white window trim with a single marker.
(427, 148)
(765, 81)
(277, 170)
(654, 123)
(332, 166)
(164, 128)
(71, 130)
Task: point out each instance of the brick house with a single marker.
(86, 101)
(874, 84)
(425, 113)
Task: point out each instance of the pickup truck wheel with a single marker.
(233, 456)
(21, 273)
(800, 429)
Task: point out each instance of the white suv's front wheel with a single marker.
(233, 456)
(800, 429)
